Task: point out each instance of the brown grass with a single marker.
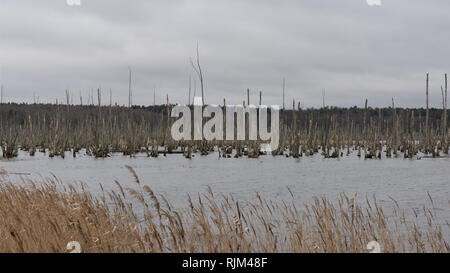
(45, 217)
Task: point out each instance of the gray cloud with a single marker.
(352, 50)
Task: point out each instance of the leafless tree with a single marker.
(129, 88)
(198, 69)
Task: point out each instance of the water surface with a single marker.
(407, 181)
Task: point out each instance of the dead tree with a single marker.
(198, 69)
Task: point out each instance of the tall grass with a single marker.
(44, 217)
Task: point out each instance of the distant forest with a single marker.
(12, 115)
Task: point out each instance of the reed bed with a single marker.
(44, 217)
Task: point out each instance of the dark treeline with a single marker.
(17, 114)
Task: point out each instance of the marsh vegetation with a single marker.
(44, 217)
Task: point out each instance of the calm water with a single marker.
(407, 181)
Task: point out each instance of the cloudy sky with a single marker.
(350, 49)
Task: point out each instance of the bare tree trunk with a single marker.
(284, 86)
(323, 98)
(427, 134)
(129, 88)
(201, 76)
(444, 117)
(248, 96)
(67, 97)
(189, 99)
(198, 69)
(99, 97)
(394, 128)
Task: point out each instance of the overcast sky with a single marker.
(352, 50)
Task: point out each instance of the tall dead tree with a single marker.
(198, 69)
(323, 98)
(129, 88)
(67, 97)
(284, 86)
(248, 96)
(444, 115)
(189, 98)
(394, 128)
(99, 97)
(427, 116)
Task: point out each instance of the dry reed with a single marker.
(44, 217)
